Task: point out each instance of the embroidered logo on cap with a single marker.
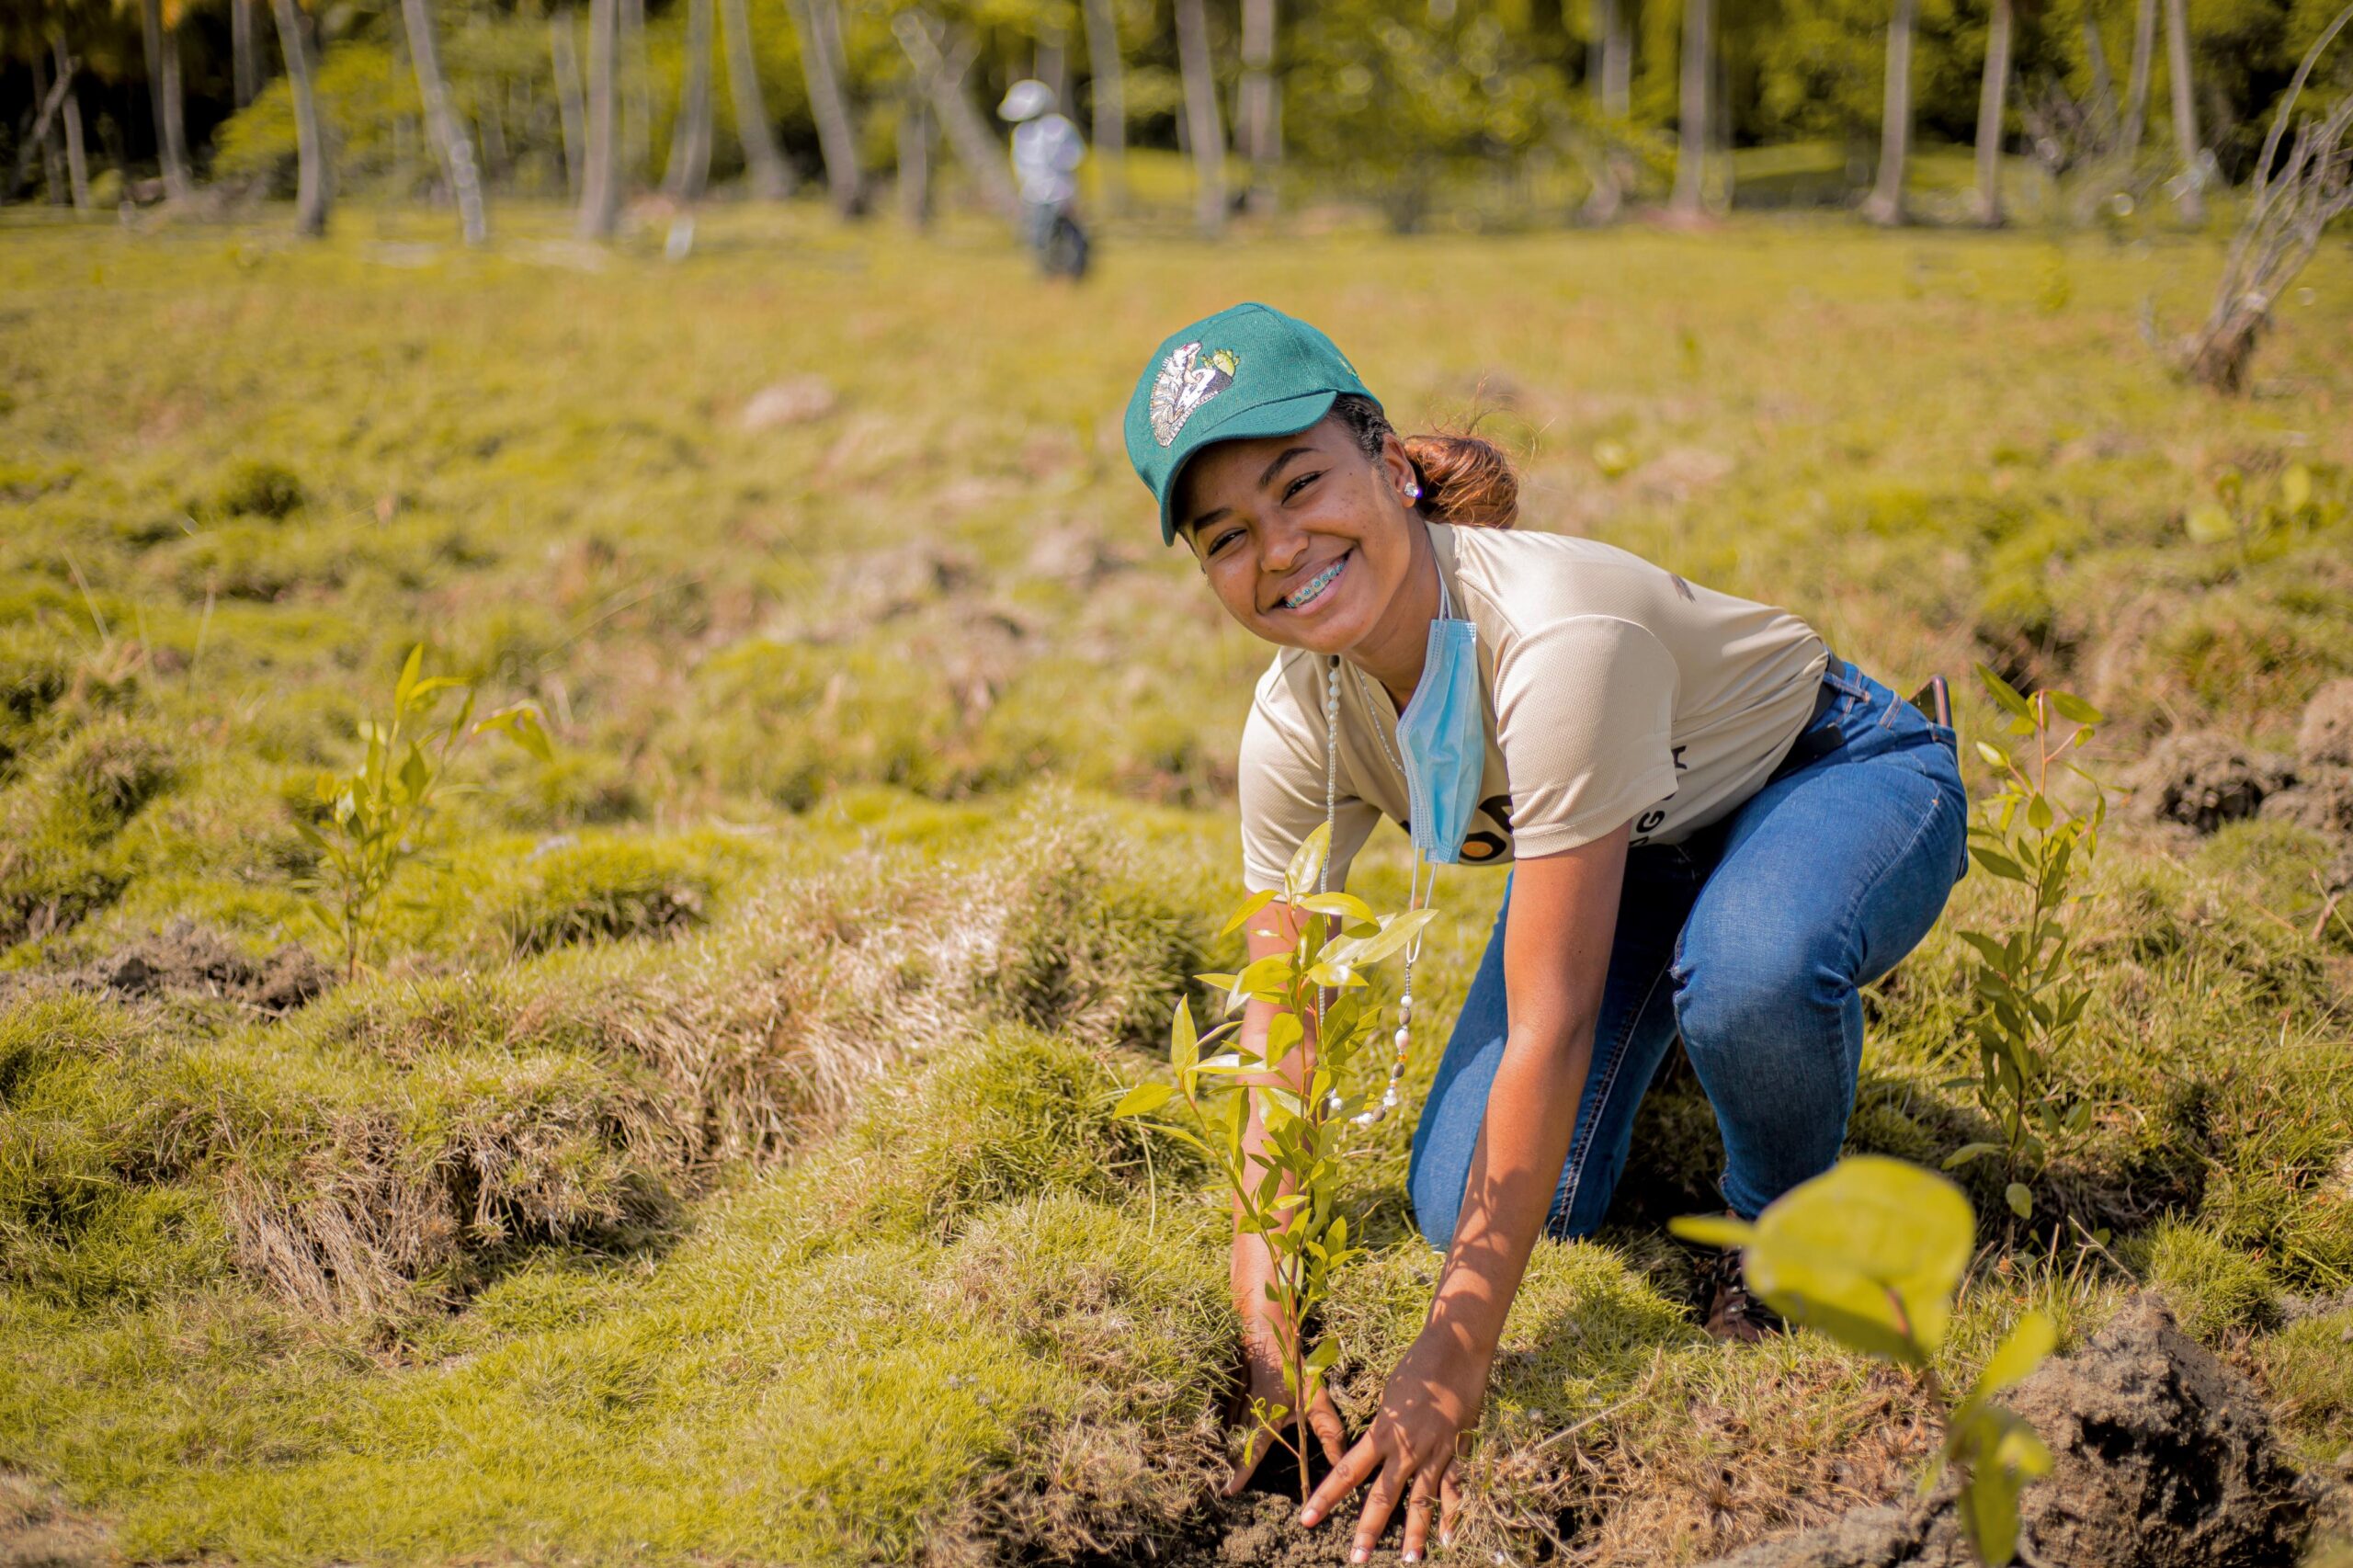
(1185, 381)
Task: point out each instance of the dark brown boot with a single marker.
(1732, 1312)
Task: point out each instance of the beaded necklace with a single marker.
(1416, 896)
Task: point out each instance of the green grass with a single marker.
(717, 1164)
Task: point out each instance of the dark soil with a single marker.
(1261, 1529)
(2165, 1459)
(185, 959)
(2205, 780)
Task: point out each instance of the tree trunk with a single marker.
(77, 162)
(915, 161)
(600, 181)
(245, 72)
(1613, 81)
(1691, 112)
(572, 114)
(163, 46)
(2136, 85)
(637, 83)
(1208, 132)
(51, 97)
(689, 169)
(829, 104)
(1254, 109)
(764, 165)
(313, 172)
(2184, 113)
(1108, 89)
(2096, 51)
(942, 76)
(452, 147)
(1990, 103)
(1885, 206)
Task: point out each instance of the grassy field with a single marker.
(714, 1163)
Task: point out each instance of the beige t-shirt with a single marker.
(1613, 691)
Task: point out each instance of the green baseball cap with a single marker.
(1247, 371)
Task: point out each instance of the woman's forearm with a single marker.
(1515, 1171)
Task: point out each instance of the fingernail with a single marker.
(1445, 1538)
(1308, 1516)
(1413, 1557)
(1358, 1555)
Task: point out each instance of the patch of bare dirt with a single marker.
(37, 1530)
(2324, 739)
(189, 959)
(2203, 780)
(2164, 1458)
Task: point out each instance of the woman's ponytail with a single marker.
(1465, 481)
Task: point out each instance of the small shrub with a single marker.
(2028, 982)
(1286, 1192)
(257, 488)
(595, 892)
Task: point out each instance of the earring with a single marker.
(1413, 493)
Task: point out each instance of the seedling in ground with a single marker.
(1872, 1253)
(2030, 989)
(1288, 1191)
(374, 814)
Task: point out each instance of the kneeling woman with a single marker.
(1719, 831)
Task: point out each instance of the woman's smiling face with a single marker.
(1301, 537)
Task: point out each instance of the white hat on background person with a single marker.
(1026, 99)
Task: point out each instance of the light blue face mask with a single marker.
(1442, 736)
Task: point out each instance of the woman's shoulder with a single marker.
(1525, 579)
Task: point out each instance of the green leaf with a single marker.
(2021, 1201)
(521, 723)
(2296, 487)
(1870, 1253)
(1352, 909)
(1395, 931)
(2003, 692)
(2210, 524)
(1992, 951)
(1999, 864)
(1713, 1229)
(1284, 1032)
(416, 774)
(2074, 709)
(1184, 1041)
(1327, 1351)
(1250, 906)
(1969, 1151)
(1299, 879)
(1143, 1100)
(406, 685)
(2037, 812)
(1995, 756)
(2034, 1338)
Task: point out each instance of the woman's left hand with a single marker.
(1430, 1403)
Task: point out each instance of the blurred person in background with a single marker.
(1047, 150)
(1719, 831)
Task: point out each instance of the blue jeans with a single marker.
(1749, 941)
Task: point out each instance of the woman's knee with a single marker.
(1751, 998)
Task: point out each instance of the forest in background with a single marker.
(1491, 112)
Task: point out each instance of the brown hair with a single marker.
(1465, 481)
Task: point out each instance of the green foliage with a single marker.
(1287, 1193)
(257, 488)
(591, 893)
(2216, 1288)
(1872, 1253)
(2027, 982)
(373, 816)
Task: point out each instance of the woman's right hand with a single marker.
(1262, 1380)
